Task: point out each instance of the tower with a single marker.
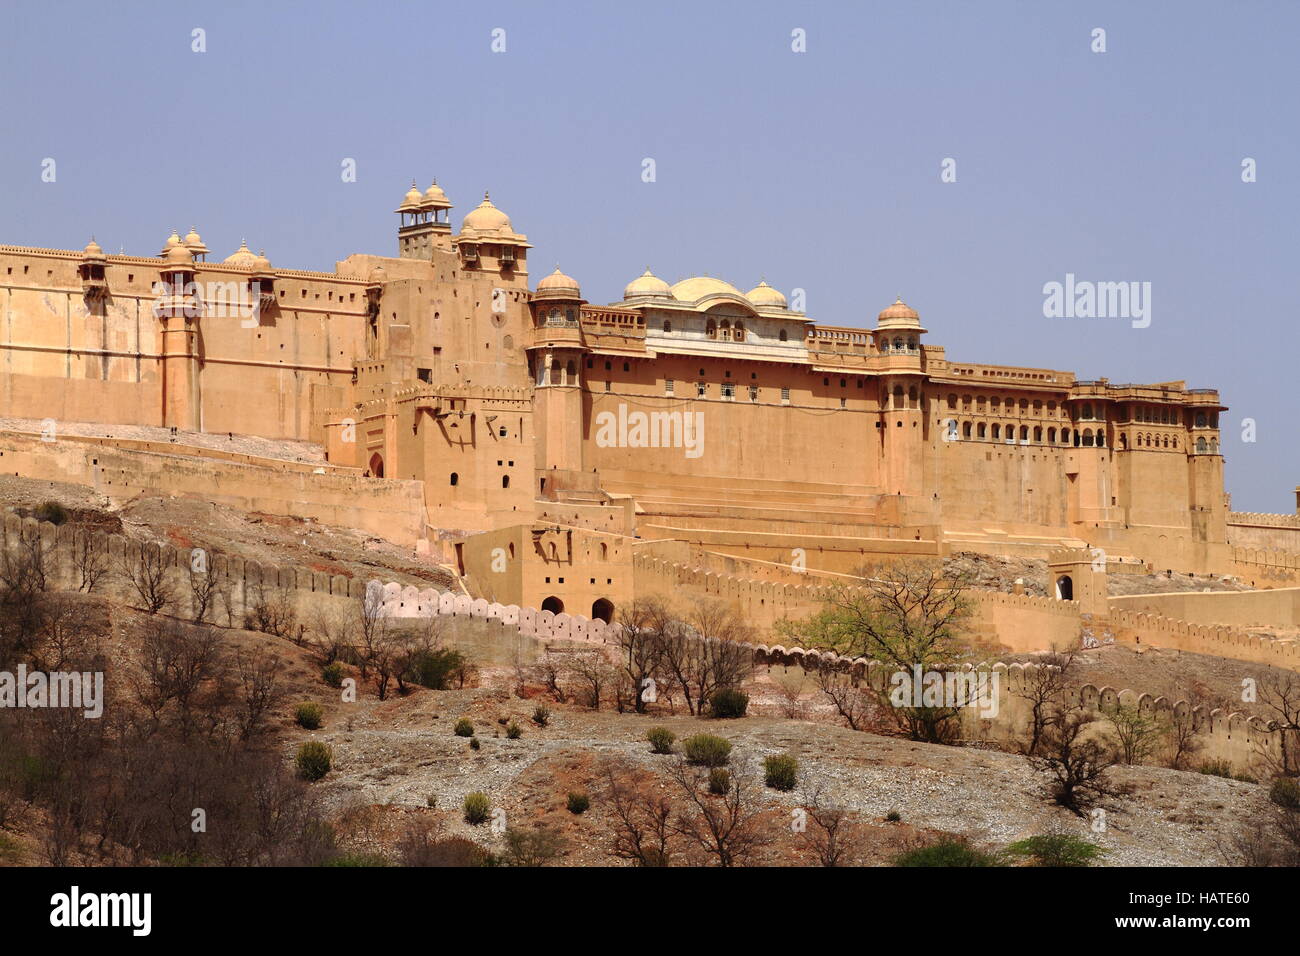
(177, 310)
(425, 222)
(556, 356)
(899, 362)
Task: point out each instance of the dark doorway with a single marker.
(1064, 588)
(377, 465)
(553, 604)
(602, 609)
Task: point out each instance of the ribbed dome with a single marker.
(242, 258)
(434, 196)
(194, 243)
(261, 263)
(487, 218)
(647, 284)
(557, 281)
(93, 250)
(411, 201)
(899, 311)
(764, 296)
(172, 241)
(694, 289)
(178, 255)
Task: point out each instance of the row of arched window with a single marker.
(996, 402)
(996, 431)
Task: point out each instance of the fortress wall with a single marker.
(1216, 640)
(1279, 607)
(388, 508)
(1266, 567)
(1018, 621)
(1241, 740)
(1280, 532)
(240, 580)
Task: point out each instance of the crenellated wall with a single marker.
(1018, 621)
(392, 509)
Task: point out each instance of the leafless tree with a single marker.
(831, 835)
(89, 560)
(1279, 698)
(640, 816)
(592, 671)
(857, 706)
(271, 611)
(333, 632)
(1077, 755)
(261, 691)
(1044, 689)
(727, 827)
(146, 570)
(204, 586)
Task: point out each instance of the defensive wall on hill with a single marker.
(389, 508)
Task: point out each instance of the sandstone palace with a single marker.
(566, 455)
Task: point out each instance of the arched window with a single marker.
(983, 430)
(668, 326)
(711, 329)
(1214, 446)
(965, 430)
(898, 344)
(952, 402)
(997, 432)
(1101, 438)
(1038, 435)
(739, 335)
(455, 479)
(604, 551)
(1051, 436)
(1065, 436)
(911, 344)
(1200, 419)
(602, 609)
(1024, 433)
(1064, 588)
(511, 549)
(1200, 445)
(724, 331)
(505, 481)
(784, 336)
(377, 465)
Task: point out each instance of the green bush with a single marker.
(893, 816)
(52, 512)
(950, 851)
(661, 739)
(781, 772)
(514, 731)
(474, 743)
(314, 760)
(477, 807)
(579, 803)
(333, 674)
(308, 715)
(1217, 768)
(1056, 849)
(1285, 792)
(719, 781)
(708, 750)
(434, 669)
(728, 702)
(464, 727)
(541, 715)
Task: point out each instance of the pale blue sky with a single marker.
(817, 170)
